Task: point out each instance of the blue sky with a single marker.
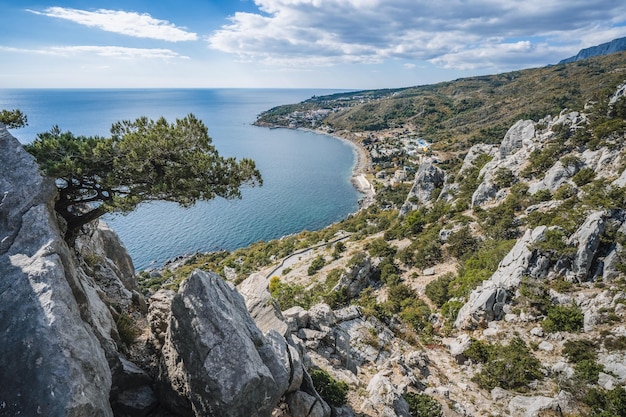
(352, 44)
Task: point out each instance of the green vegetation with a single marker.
(563, 319)
(512, 366)
(13, 119)
(332, 391)
(143, 160)
(422, 405)
(317, 264)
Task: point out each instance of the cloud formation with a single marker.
(122, 22)
(103, 51)
(456, 34)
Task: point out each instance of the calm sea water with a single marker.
(306, 176)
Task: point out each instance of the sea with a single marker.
(306, 176)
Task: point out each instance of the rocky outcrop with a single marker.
(428, 178)
(356, 278)
(587, 240)
(215, 361)
(487, 301)
(56, 330)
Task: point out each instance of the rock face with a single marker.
(55, 329)
(616, 45)
(427, 179)
(215, 359)
(487, 301)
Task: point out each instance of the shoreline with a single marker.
(360, 168)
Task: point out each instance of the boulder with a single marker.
(587, 240)
(515, 137)
(215, 360)
(538, 406)
(356, 278)
(55, 329)
(427, 179)
(159, 316)
(384, 399)
(262, 307)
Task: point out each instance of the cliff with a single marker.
(616, 45)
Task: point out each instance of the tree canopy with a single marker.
(13, 119)
(143, 160)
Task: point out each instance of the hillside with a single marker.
(458, 114)
(487, 277)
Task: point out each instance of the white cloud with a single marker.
(455, 34)
(103, 51)
(122, 22)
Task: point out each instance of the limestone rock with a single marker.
(521, 131)
(303, 404)
(159, 316)
(487, 301)
(521, 406)
(356, 278)
(587, 240)
(215, 360)
(384, 398)
(263, 309)
(53, 324)
(427, 179)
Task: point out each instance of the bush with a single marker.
(437, 290)
(587, 370)
(380, 248)
(461, 243)
(422, 405)
(584, 176)
(564, 319)
(332, 391)
(607, 403)
(127, 329)
(579, 350)
(316, 265)
(509, 367)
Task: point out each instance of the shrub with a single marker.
(584, 176)
(461, 243)
(422, 405)
(541, 196)
(503, 177)
(579, 350)
(316, 265)
(478, 351)
(615, 343)
(607, 403)
(587, 370)
(332, 391)
(564, 319)
(339, 248)
(509, 367)
(437, 290)
(127, 329)
(380, 248)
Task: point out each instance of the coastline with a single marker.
(359, 170)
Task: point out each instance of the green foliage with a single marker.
(13, 119)
(479, 351)
(503, 178)
(422, 405)
(584, 176)
(143, 160)
(471, 179)
(340, 247)
(615, 343)
(510, 367)
(317, 264)
(587, 371)
(437, 290)
(380, 248)
(541, 196)
(289, 295)
(479, 266)
(565, 191)
(535, 294)
(555, 244)
(461, 243)
(605, 403)
(450, 309)
(563, 319)
(127, 329)
(332, 391)
(579, 350)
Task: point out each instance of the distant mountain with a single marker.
(616, 45)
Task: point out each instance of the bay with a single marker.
(306, 175)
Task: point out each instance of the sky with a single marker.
(337, 44)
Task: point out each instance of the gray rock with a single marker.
(262, 307)
(499, 394)
(521, 406)
(537, 331)
(556, 176)
(321, 317)
(587, 240)
(215, 360)
(356, 278)
(296, 318)
(546, 346)
(427, 179)
(159, 316)
(384, 398)
(606, 381)
(457, 346)
(487, 301)
(521, 131)
(303, 404)
(52, 322)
